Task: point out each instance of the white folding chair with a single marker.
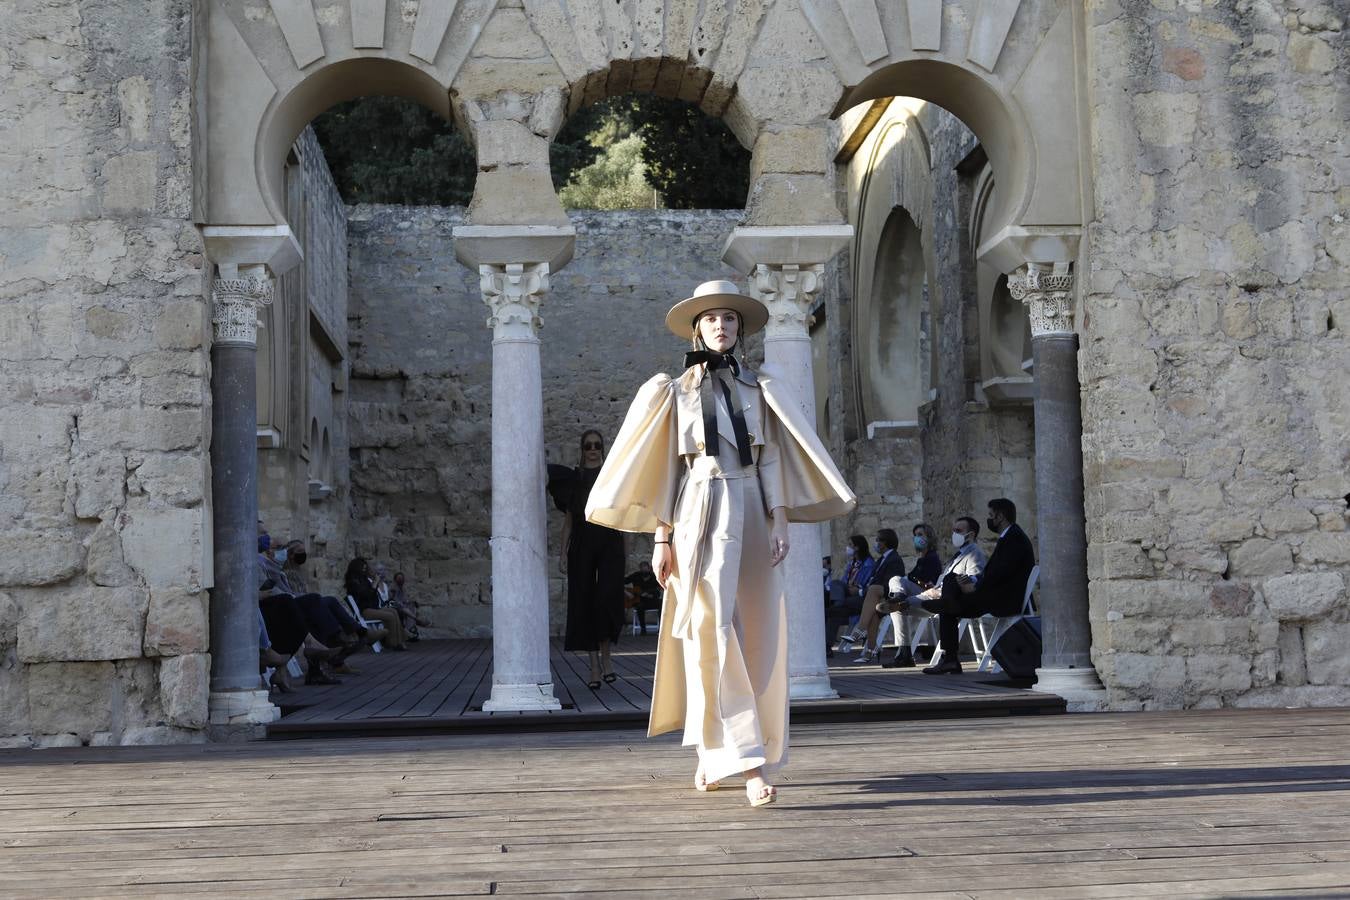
(640, 618)
(998, 626)
(365, 623)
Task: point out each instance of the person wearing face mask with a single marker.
(928, 563)
(999, 590)
(289, 609)
(846, 594)
(967, 562)
(890, 564)
(292, 558)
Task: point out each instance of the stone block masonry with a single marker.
(1214, 354)
(104, 563)
(421, 383)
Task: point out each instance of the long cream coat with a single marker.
(721, 666)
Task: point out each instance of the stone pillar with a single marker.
(789, 291)
(1066, 661)
(236, 698)
(784, 265)
(521, 677)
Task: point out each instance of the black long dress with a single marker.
(595, 564)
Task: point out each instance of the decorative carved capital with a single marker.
(235, 301)
(513, 293)
(789, 291)
(1047, 293)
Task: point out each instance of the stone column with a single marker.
(521, 677)
(1066, 661)
(784, 264)
(789, 291)
(236, 698)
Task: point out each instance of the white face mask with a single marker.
(958, 540)
(848, 551)
(281, 555)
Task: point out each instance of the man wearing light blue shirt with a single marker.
(905, 596)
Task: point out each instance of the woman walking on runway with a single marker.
(717, 462)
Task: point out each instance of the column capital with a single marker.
(236, 294)
(804, 245)
(513, 292)
(1046, 289)
(480, 245)
(789, 291)
(240, 246)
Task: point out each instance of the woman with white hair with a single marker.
(716, 463)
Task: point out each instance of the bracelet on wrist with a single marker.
(660, 542)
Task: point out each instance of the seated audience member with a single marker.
(968, 560)
(999, 590)
(928, 564)
(325, 609)
(408, 609)
(288, 633)
(362, 589)
(846, 593)
(890, 564)
(270, 658)
(648, 592)
(328, 620)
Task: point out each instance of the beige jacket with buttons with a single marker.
(656, 467)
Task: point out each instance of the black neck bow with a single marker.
(721, 368)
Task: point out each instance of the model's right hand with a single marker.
(662, 562)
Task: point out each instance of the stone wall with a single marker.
(302, 478)
(1216, 302)
(104, 553)
(421, 380)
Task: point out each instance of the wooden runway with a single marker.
(440, 686)
(1203, 804)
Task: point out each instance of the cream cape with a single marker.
(641, 480)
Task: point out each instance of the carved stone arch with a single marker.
(264, 71)
(1008, 70)
(754, 64)
(893, 274)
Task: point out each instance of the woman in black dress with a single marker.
(593, 561)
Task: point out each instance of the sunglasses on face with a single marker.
(592, 445)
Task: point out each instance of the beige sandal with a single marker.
(759, 797)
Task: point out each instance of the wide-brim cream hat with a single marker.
(716, 295)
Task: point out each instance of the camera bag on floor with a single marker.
(1019, 650)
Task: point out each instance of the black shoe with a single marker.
(951, 667)
(902, 659)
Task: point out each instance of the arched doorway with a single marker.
(508, 77)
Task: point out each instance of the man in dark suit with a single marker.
(999, 590)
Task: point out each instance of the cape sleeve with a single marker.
(636, 487)
(795, 469)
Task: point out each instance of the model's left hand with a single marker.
(778, 537)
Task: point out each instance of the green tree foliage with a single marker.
(614, 181)
(392, 150)
(609, 156)
(693, 161)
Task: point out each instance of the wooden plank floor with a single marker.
(441, 685)
(1200, 804)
